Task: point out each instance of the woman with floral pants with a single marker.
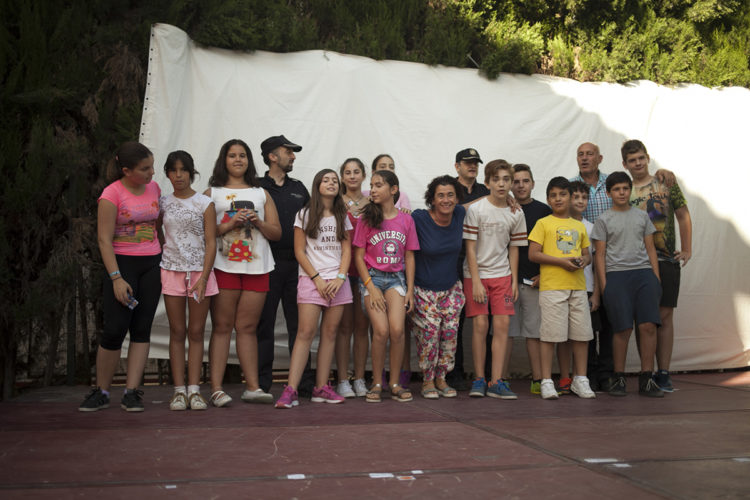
(438, 294)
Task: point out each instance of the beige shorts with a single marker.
(565, 315)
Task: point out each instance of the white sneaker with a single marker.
(178, 402)
(580, 386)
(345, 389)
(548, 389)
(360, 388)
(197, 402)
(257, 396)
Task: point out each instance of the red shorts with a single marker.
(247, 282)
(499, 297)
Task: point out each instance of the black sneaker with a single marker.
(647, 387)
(664, 381)
(617, 385)
(95, 401)
(132, 400)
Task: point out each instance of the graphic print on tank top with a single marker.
(238, 245)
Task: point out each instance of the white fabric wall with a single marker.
(337, 106)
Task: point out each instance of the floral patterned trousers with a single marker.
(434, 323)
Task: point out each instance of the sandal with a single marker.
(430, 392)
(373, 395)
(220, 398)
(400, 394)
(447, 391)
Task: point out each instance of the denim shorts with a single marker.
(384, 281)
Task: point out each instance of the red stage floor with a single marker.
(694, 443)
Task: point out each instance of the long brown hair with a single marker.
(372, 213)
(220, 175)
(314, 208)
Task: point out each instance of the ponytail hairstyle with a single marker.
(314, 208)
(127, 156)
(372, 213)
(220, 175)
(343, 166)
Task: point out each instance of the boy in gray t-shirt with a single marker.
(628, 273)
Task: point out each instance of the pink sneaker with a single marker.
(288, 398)
(326, 394)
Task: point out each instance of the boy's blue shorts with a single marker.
(632, 297)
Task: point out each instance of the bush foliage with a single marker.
(73, 75)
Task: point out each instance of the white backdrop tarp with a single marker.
(337, 106)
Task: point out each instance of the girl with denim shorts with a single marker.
(385, 241)
(323, 251)
(188, 221)
(246, 219)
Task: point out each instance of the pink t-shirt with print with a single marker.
(135, 226)
(385, 247)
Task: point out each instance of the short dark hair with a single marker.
(522, 167)
(580, 187)
(183, 157)
(618, 178)
(630, 147)
(559, 182)
(443, 180)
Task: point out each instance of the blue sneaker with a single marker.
(664, 381)
(478, 388)
(501, 390)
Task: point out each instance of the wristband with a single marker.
(341, 276)
(369, 279)
(316, 275)
(114, 273)
(117, 278)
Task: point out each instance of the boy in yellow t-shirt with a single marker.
(560, 245)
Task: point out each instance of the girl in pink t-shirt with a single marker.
(323, 251)
(126, 227)
(384, 241)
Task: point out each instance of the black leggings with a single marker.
(144, 276)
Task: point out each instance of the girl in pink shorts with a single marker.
(323, 250)
(188, 222)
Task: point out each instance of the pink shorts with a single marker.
(177, 283)
(307, 293)
(247, 282)
(499, 297)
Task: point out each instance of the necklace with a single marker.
(353, 201)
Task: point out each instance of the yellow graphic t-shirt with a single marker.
(560, 238)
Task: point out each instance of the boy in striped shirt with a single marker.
(493, 234)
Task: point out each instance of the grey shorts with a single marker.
(528, 318)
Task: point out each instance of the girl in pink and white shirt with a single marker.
(384, 241)
(323, 251)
